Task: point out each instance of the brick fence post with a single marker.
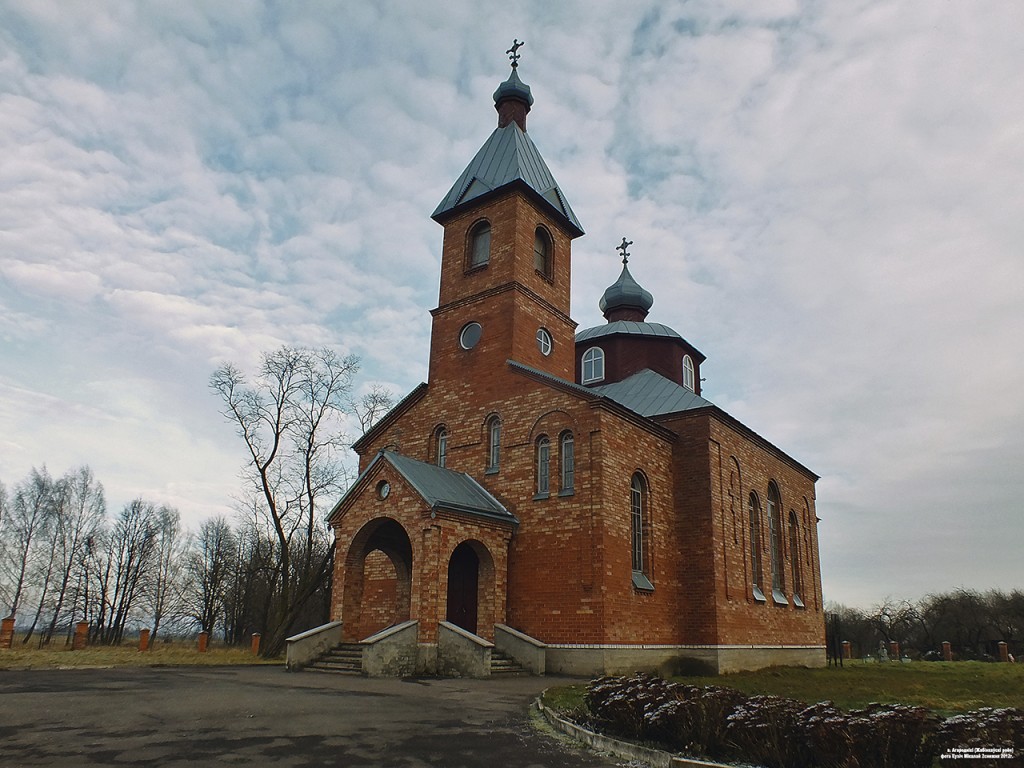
(7, 632)
(894, 650)
(847, 650)
(1004, 651)
(947, 651)
(255, 643)
(204, 638)
(143, 639)
(81, 638)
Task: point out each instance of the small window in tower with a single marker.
(688, 380)
(593, 365)
(470, 335)
(542, 252)
(480, 245)
(544, 341)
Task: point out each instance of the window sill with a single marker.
(641, 582)
(759, 595)
(798, 602)
(491, 471)
(778, 598)
(567, 492)
(542, 496)
(546, 276)
(475, 268)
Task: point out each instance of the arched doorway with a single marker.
(463, 587)
(378, 579)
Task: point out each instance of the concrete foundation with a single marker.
(589, 661)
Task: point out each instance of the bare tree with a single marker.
(165, 583)
(24, 526)
(77, 518)
(292, 419)
(130, 548)
(210, 563)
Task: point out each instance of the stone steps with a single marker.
(503, 664)
(344, 659)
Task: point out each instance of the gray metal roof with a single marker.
(651, 394)
(629, 327)
(509, 155)
(446, 489)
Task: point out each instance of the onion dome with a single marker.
(625, 299)
(513, 98)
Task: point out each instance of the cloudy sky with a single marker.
(826, 198)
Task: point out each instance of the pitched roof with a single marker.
(651, 394)
(508, 155)
(440, 488)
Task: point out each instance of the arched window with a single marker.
(794, 558)
(754, 510)
(567, 455)
(639, 532)
(441, 446)
(593, 365)
(493, 444)
(688, 380)
(775, 545)
(543, 465)
(480, 245)
(542, 252)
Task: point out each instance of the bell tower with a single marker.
(506, 257)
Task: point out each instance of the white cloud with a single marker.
(824, 199)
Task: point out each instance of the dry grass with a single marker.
(173, 654)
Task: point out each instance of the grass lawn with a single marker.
(947, 688)
(59, 656)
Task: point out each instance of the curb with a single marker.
(655, 758)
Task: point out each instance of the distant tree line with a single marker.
(973, 622)
(64, 558)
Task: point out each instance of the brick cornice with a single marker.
(505, 288)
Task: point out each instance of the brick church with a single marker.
(567, 499)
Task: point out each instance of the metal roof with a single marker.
(446, 489)
(509, 155)
(629, 327)
(651, 394)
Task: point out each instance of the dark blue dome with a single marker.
(625, 293)
(513, 88)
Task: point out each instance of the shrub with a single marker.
(987, 729)
(894, 736)
(763, 729)
(620, 704)
(696, 721)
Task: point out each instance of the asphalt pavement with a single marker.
(256, 716)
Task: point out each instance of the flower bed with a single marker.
(775, 732)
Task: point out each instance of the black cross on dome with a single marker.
(514, 51)
(622, 248)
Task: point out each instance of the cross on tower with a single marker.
(514, 51)
(625, 254)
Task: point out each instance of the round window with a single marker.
(383, 489)
(470, 335)
(544, 341)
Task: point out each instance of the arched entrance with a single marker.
(378, 579)
(463, 587)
